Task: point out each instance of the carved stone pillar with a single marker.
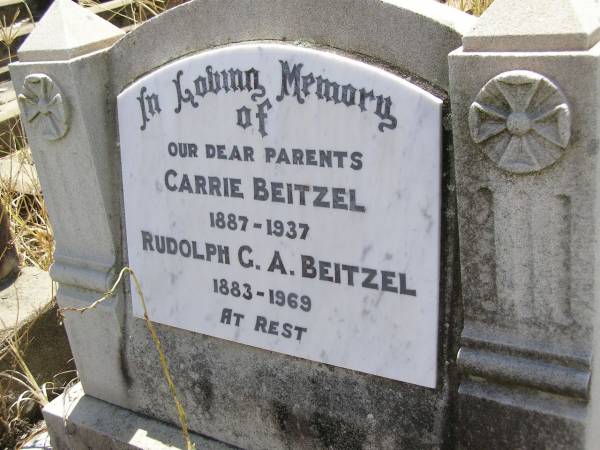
(527, 191)
(61, 80)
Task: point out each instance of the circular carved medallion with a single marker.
(43, 106)
(521, 120)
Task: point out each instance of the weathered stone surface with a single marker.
(399, 32)
(79, 422)
(526, 213)
(526, 224)
(521, 121)
(78, 169)
(592, 436)
(517, 419)
(234, 393)
(254, 398)
(508, 221)
(66, 31)
(535, 25)
(44, 107)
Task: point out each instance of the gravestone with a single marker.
(277, 179)
(342, 240)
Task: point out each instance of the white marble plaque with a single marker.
(288, 199)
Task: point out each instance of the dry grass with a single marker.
(133, 13)
(30, 225)
(21, 395)
(32, 233)
(475, 7)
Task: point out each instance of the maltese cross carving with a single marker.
(521, 120)
(43, 106)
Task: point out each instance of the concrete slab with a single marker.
(25, 298)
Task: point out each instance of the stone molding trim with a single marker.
(44, 107)
(512, 369)
(97, 278)
(433, 28)
(521, 120)
(523, 364)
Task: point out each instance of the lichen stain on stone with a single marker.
(282, 415)
(317, 431)
(123, 363)
(202, 390)
(123, 343)
(335, 433)
(294, 430)
(202, 386)
(592, 147)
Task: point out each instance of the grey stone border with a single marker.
(429, 28)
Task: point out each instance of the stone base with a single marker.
(496, 417)
(79, 422)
